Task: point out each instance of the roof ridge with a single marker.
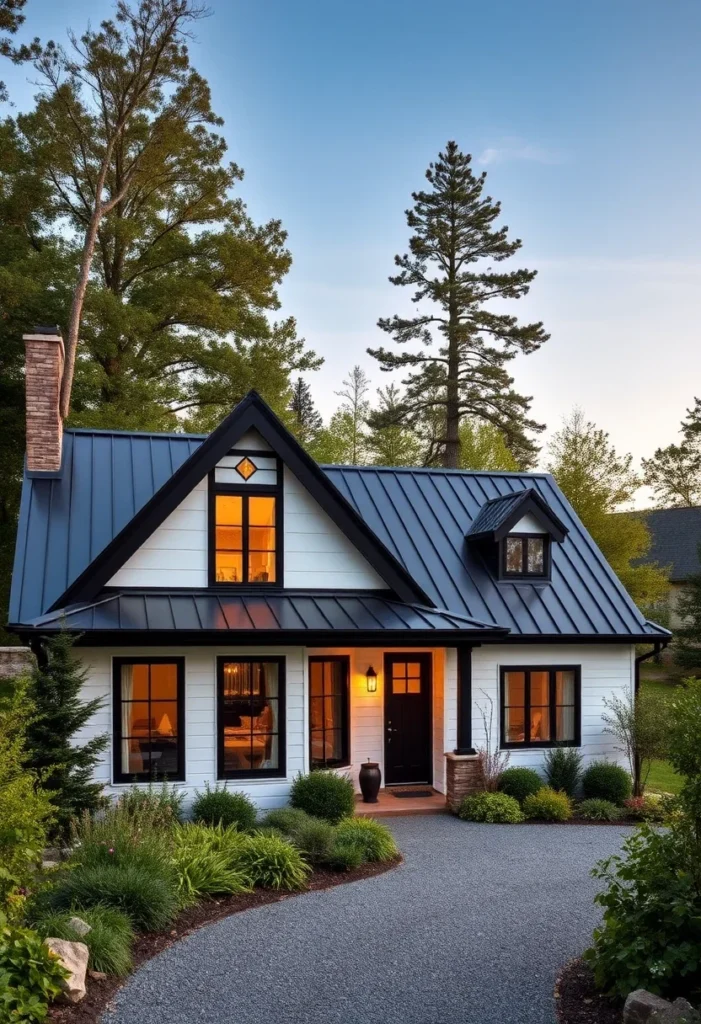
(438, 469)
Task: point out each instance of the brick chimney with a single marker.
(44, 354)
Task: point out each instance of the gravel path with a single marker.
(472, 928)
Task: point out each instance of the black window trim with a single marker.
(540, 744)
(504, 574)
(258, 773)
(118, 776)
(260, 490)
(345, 728)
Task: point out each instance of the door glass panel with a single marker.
(413, 686)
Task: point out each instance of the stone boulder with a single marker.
(642, 1007)
(79, 926)
(74, 957)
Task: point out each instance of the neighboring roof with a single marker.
(676, 536)
(274, 615)
(416, 520)
(500, 515)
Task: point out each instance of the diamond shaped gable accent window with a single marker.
(246, 468)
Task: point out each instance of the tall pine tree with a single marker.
(674, 473)
(466, 344)
(66, 768)
(307, 421)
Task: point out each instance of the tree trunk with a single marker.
(637, 774)
(451, 451)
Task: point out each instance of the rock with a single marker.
(640, 1006)
(79, 926)
(74, 957)
(680, 1012)
(97, 975)
(49, 865)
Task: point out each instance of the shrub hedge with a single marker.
(520, 783)
(222, 807)
(496, 808)
(547, 805)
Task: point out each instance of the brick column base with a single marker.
(463, 776)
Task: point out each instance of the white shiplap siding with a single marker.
(200, 717)
(606, 669)
(317, 553)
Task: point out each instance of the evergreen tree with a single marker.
(393, 443)
(483, 446)
(466, 345)
(307, 422)
(600, 483)
(687, 636)
(348, 423)
(65, 767)
(674, 473)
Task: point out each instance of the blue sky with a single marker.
(586, 118)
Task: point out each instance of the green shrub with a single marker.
(520, 782)
(149, 898)
(374, 839)
(650, 936)
(599, 810)
(25, 810)
(324, 794)
(163, 804)
(547, 805)
(563, 769)
(272, 863)
(222, 807)
(286, 819)
(205, 859)
(345, 856)
(314, 839)
(30, 976)
(604, 780)
(109, 940)
(132, 830)
(496, 808)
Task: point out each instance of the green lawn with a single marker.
(662, 777)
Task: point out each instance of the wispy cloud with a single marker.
(509, 150)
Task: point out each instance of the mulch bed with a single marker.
(101, 993)
(578, 1001)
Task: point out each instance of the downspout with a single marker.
(640, 658)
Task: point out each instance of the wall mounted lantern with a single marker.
(371, 676)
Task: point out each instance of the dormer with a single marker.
(515, 534)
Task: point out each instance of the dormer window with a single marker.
(515, 534)
(525, 555)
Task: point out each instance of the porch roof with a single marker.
(278, 616)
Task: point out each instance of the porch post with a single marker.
(464, 700)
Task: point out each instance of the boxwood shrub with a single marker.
(604, 780)
(547, 805)
(324, 794)
(222, 807)
(520, 782)
(496, 808)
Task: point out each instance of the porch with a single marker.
(400, 801)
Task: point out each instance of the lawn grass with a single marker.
(662, 777)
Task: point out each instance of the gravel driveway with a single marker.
(472, 928)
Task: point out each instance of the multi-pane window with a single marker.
(540, 707)
(245, 538)
(328, 712)
(251, 717)
(148, 719)
(525, 555)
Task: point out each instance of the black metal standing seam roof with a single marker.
(421, 516)
(676, 536)
(210, 612)
(493, 513)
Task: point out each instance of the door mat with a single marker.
(412, 792)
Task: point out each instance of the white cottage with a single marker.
(247, 615)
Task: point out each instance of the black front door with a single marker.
(407, 718)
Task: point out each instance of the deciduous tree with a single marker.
(483, 446)
(600, 483)
(465, 344)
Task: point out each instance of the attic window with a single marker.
(246, 468)
(526, 555)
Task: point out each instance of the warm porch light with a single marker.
(371, 676)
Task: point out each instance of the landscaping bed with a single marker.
(101, 992)
(578, 1001)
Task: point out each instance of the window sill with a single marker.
(540, 746)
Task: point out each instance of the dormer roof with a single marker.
(499, 516)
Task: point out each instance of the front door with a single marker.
(407, 718)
